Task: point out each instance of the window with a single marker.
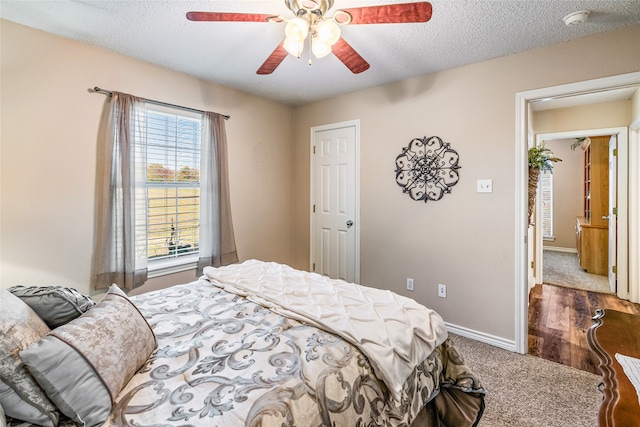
(546, 189)
(163, 193)
(172, 165)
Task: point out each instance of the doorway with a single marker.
(335, 206)
(572, 251)
(525, 138)
(590, 214)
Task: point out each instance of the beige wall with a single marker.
(48, 158)
(568, 174)
(595, 116)
(467, 239)
(567, 192)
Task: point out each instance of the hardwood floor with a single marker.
(558, 321)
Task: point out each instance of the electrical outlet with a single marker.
(409, 284)
(442, 291)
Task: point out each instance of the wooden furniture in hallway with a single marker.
(614, 333)
(559, 318)
(592, 232)
(592, 242)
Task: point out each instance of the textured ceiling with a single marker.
(459, 33)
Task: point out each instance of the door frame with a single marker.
(524, 136)
(622, 205)
(312, 199)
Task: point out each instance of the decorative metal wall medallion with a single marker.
(427, 168)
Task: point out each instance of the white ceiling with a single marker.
(460, 33)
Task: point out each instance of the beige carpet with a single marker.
(563, 269)
(526, 391)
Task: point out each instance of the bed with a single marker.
(253, 344)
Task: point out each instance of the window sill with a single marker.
(549, 239)
(171, 266)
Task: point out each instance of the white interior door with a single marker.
(334, 210)
(612, 217)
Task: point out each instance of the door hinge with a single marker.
(533, 264)
(314, 208)
(314, 267)
(615, 151)
(314, 149)
(614, 269)
(615, 211)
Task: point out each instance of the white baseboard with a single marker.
(503, 343)
(559, 249)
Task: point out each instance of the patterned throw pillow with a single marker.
(84, 364)
(54, 304)
(3, 420)
(20, 395)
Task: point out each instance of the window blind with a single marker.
(546, 187)
(172, 164)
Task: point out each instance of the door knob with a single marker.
(349, 223)
(606, 217)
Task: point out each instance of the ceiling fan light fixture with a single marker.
(296, 32)
(294, 47)
(320, 48)
(324, 34)
(297, 29)
(328, 32)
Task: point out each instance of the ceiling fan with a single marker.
(311, 20)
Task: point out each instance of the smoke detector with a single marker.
(576, 18)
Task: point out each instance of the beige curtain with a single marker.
(217, 241)
(119, 257)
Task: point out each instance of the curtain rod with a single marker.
(166, 104)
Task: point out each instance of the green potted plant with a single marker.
(580, 142)
(540, 159)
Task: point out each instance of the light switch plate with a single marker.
(485, 186)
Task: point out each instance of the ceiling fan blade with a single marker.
(275, 59)
(349, 57)
(229, 17)
(390, 13)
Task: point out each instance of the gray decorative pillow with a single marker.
(84, 364)
(20, 395)
(54, 304)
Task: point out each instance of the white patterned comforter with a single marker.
(394, 332)
(223, 360)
